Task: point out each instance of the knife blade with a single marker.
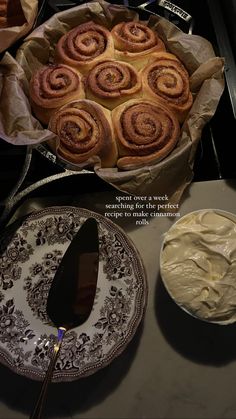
(71, 295)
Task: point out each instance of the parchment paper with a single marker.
(10, 35)
(174, 173)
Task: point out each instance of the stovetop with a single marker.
(214, 157)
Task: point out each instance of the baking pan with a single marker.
(61, 172)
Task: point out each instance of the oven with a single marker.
(26, 172)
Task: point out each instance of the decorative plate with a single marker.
(27, 267)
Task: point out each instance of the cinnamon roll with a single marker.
(53, 86)
(85, 133)
(167, 80)
(145, 132)
(113, 82)
(82, 46)
(135, 43)
(3, 14)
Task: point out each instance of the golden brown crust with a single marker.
(145, 132)
(113, 82)
(82, 46)
(135, 42)
(167, 80)
(53, 86)
(3, 22)
(84, 131)
(11, 13)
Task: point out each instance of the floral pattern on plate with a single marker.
(27, 267)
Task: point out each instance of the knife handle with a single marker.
(39, 406)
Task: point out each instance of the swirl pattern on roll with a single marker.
(84, 132)
(53, 85)
(146, 132)
(112, 82)
(82, 45)
(166, 79)
(134, 37)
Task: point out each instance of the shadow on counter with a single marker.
(68, 398)
(231, 183)
(202, 342)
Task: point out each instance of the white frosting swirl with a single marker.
(198, 264)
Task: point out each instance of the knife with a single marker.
(71, 295)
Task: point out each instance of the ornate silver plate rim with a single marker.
(27, 267)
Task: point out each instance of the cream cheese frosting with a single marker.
(198, 264)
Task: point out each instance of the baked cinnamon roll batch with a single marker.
(114, 95)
